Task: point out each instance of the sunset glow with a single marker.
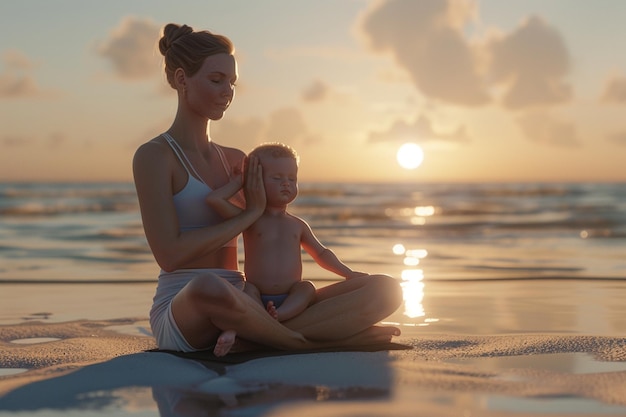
(511, 91)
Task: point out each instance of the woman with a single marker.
(199, 294)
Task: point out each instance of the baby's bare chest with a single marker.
(276, 231)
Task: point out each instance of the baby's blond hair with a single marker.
(275, 150)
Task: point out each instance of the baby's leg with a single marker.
(225, 342)
(253, 292)
(301, 295)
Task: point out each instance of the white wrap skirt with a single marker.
(164, 328)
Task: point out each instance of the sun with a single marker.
(410, 156)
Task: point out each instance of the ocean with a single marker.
(91, 232)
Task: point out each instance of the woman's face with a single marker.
(211, 90)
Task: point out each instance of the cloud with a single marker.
(284, 125)
(316, 91)
(618, 138)
(430, 40)
(287, 125)
(13, 86)
(420, 130)
(320, 91)
(614, 90)
(52, 141)
(56, 140)
(532, 62)
(16, 80)
(15, 60)
(426, 39)
(11, 141)
(544, 129)
(132, 49)
(240, 133)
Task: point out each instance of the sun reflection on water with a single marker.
(412, 280)
(424, 211)
(412, 276)
(413, 292)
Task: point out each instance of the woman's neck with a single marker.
(190, 133)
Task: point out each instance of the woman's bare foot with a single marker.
(224, 342)
(374, 335)
(242, 345)
(271, 308)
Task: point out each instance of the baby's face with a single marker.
(280, 176)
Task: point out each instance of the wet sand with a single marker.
(524, 348)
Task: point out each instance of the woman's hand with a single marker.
(237, 176)
(253, 187)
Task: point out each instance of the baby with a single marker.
(273, 244)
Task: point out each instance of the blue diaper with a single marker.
(276, 299)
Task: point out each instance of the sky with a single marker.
(491, 90)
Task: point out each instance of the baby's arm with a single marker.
(324, 257)
(218, 199)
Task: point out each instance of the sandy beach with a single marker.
(524, 348)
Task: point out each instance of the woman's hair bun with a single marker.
(171, 33)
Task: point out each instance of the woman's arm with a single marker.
(152, 170)
(218, 199)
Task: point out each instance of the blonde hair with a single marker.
(275, 150)
(182, 47)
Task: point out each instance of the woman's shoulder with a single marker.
(153, 146)
(154, 151)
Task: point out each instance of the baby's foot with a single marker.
(272, 309)
(224, 342)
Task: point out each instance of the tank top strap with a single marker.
(224, 160)
(180, 154)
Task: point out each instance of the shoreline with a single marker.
(446, 306)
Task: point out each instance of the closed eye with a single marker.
(219, 77)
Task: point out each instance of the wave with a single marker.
(67, 190)
(42, 209)
(64, 230)
(76, 281)
(39, 199)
